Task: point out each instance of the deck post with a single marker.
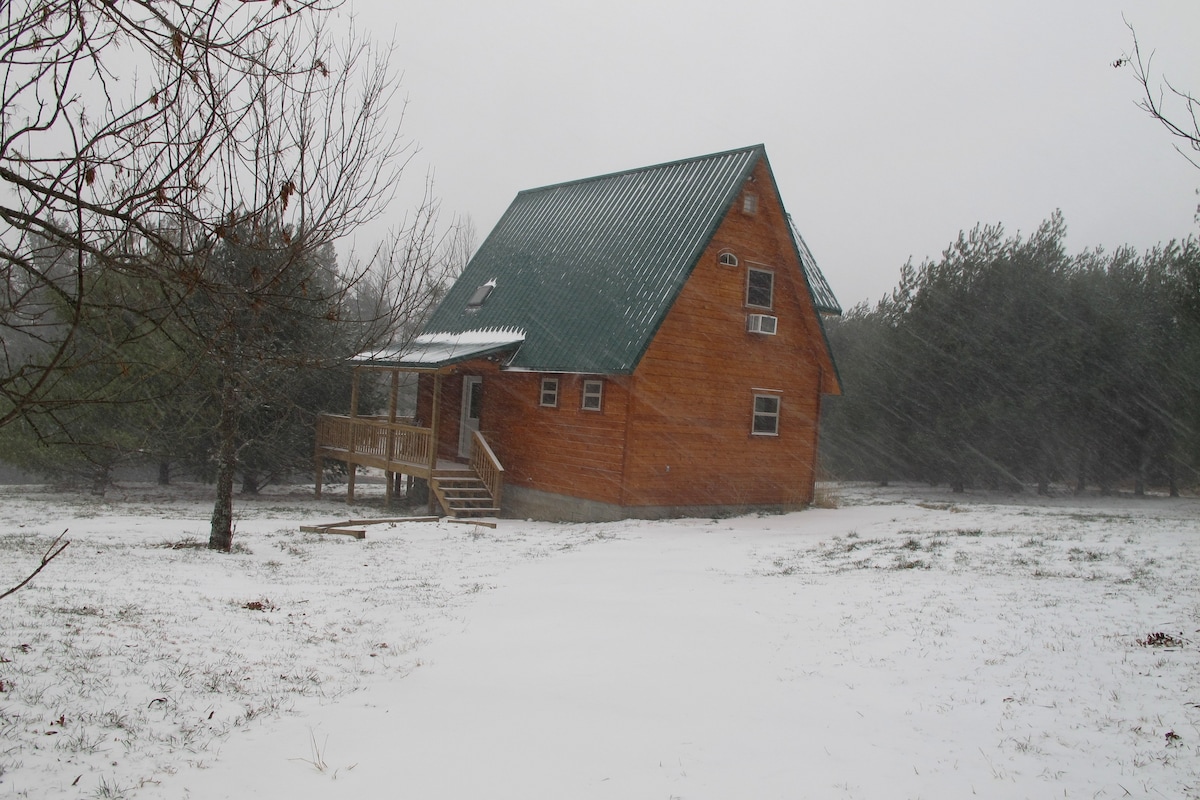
(353, 471)
(388, 476)
(433, 449)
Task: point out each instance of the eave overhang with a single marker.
(431, 352)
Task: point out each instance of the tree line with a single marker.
(1009, 363)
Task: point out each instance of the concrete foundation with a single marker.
(521, 503)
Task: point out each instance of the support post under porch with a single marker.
(353, 471)
(433, 449)
(389, 477)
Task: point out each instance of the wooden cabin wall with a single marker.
(690, 440)
(562, 450)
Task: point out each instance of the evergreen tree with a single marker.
(1006, 363)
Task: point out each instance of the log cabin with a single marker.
(644, 344)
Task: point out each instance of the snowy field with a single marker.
(909, 643)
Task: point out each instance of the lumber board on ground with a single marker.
(345, 522)
(357, 533)
(469, 521)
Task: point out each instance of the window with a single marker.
(593, 393)
(749, 203)
(480, 295)
(766, 415)
(727, 259)
(550, 392)
(760, 288)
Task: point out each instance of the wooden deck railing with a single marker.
(375, 438)
(396, 447)
(487, 466)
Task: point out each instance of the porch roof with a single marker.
(433, 351)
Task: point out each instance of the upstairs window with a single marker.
(750, 203)
(727, 259)
(593, 395)
(550, 392)
(760, 288)
(766, 415)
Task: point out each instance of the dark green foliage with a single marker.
(256, 351)
(100, 411)
(267, 331)
(1009, 363)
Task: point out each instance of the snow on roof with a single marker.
(432, 350)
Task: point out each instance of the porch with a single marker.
(404, 450)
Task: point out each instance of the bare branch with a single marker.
(52, 552)
(1159, 96)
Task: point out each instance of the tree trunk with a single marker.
(100, 479)
(250, 484)
(164, 473)
(221, 535)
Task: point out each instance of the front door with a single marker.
(471, 397)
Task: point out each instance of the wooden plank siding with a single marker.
(690, 440)
(563, 450)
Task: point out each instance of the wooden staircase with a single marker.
(463, 494)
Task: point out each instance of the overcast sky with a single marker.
(890, 125)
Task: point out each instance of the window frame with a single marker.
(585, 396)
(727, 258)
(550, 387)
(771, 289)
(773, 416)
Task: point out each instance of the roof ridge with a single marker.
(760, 148)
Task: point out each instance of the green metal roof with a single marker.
(589, 269)
(822, 294)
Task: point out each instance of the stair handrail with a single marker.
(487, 466)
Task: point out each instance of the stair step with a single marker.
(464, 495)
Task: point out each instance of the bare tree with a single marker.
(314, 154)
(113, 118)
(1178, 110)
(154, 141)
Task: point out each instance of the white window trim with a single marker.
(553, 382)
(770, 272)
(586, 395)
(755, 414)
(727, 258)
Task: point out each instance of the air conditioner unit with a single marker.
(761, 323)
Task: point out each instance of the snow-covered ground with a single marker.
(909, 643)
